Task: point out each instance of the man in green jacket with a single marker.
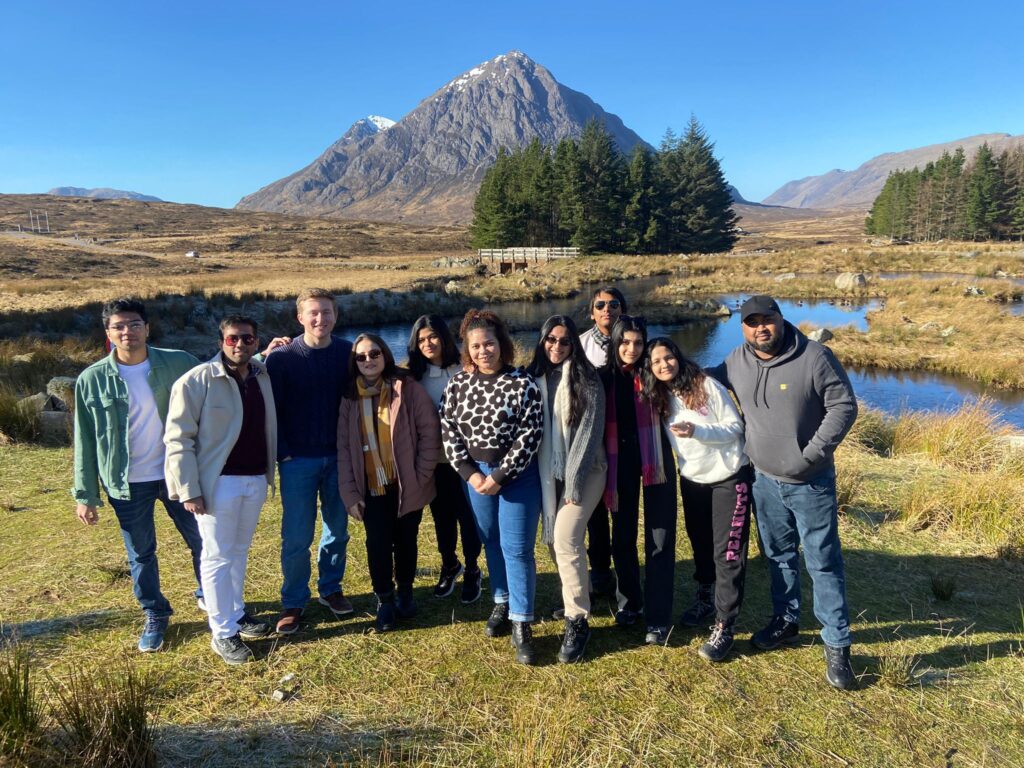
(120, 411)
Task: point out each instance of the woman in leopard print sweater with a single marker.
(492, 423)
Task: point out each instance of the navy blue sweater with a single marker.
(308, 386)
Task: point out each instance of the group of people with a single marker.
(568, 444)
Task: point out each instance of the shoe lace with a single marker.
(153, 624)
(572, 629)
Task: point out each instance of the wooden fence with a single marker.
(513, 259)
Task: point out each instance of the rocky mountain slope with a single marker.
(102, 193)
(860, 187)
(428, 166)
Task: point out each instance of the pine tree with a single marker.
(498, 217)
(984, 196)
(600, 225)
(642, 227)
(567, 194)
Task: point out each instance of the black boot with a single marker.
(703, 607)
(497, 625)
(404, 605)
(577, 632)
(385, 612)
(838, 671)
(522, 641)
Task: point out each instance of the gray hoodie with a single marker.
(798, 406)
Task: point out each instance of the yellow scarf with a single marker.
(378, 453)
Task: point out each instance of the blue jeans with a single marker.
(302, 481)
(138, 529)
(508, 530)
(791, 514)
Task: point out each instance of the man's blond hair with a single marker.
(315, 293)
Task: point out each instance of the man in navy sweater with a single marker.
(309, 377)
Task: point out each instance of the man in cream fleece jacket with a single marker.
(798, 405)
(221, 441)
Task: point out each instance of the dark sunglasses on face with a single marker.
(613, 304)
(246, 338)
(373, 354)
(562, 341)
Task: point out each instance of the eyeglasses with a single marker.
(562, 341)
(613, 304)
(233, 339)
(373, 354)
(134, 325)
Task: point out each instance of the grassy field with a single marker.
(941, 681)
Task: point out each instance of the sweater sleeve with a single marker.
(728, 424)
(428, 433)
(181, 467)
(589, 435)
(832, 383)
(530, 430)
(452, 439)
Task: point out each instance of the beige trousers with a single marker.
(569, 550)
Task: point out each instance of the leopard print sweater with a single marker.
(493, 419)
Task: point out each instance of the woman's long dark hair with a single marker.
(449, 351)
(687, 384)
(581, 374)
(390, 372)
(623, 324)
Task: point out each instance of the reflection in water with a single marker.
(708, 342)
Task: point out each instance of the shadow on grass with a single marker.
(66, 625)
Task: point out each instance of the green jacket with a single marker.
(101, 421)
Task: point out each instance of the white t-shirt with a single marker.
(145, 430)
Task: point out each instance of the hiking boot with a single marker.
(231, 649)
(472, 585)
(626, 618)
(656, 636)
(602, 584)
(385, 621)
(522, 641)
(152, 638)
(703, 607)
(838, 671)
(498, 623)
(405, 606)
(340, 605)
(446, 582)
(778, 632)
(577, 633)
(719, 644)
(251, 628)
(288, 623)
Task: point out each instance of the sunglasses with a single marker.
(613, 304)
(562, 341)
(373, 354)
(232, 340)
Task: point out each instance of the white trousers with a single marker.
(227, 530)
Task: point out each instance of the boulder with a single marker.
(973, 290)
(34, 403)
(63, 389)
(451, 287)
(785, 276)
(851, 281)
(947, 332)
(1000, 274)
(55, 428)
(821, 335)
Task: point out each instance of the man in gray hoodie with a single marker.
(798, 405)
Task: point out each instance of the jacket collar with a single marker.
(216, 362)
(155, 361)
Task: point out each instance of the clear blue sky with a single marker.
(207, 101)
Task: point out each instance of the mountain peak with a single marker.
(382, 123)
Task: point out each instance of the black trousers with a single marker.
(717, 519)
(654, 596)
(452, 513)
(599, 538)
(390, 542)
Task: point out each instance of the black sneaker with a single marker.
(498, 624)
(446, 582)
(405, 607)
(778, 632)
(838, 671)
(602, 584)
(385, 621)
(703, 607)
(251, 628)
(577, 633)
(656, 636)
(626, 618)
(231, 649)
(472, 586)
(522, 641)
(719, 644)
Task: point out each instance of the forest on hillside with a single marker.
(953, 198)
(589, 195)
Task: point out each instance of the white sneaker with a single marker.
(201, 604)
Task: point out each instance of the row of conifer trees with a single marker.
(953, 198)
(587, 194)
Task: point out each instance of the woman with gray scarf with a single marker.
(573, 466)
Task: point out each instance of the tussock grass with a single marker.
(17, 423)
(20, 709)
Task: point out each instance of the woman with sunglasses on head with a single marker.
(492, 423)
(388, 445)
(639, 456)
(433, 360)
(573, 466)
(706, 432)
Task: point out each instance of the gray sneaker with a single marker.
(231, 649)
(251, 628)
